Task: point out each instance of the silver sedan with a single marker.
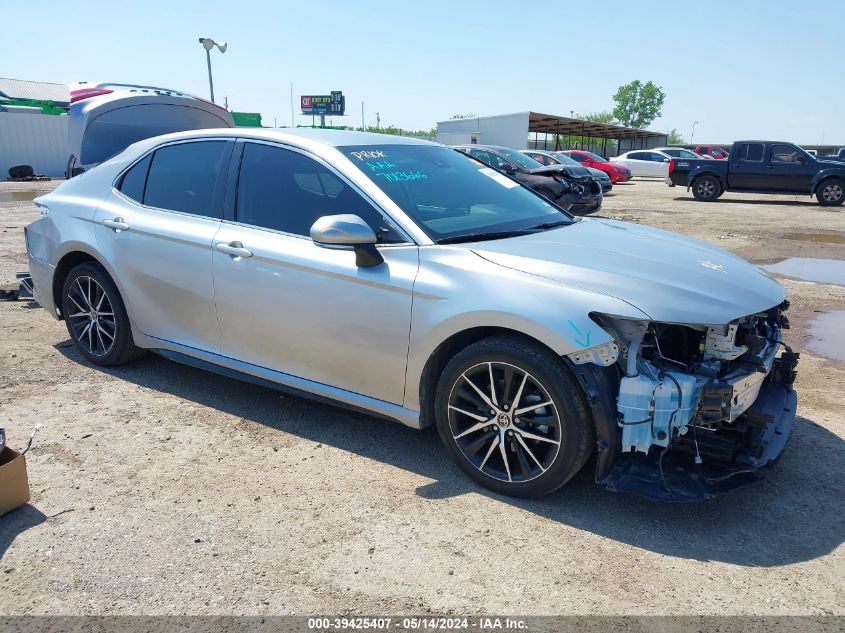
(405, 279)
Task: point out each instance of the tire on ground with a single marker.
(706, 188)
(831, 192)
(577, 433)
(123, 348)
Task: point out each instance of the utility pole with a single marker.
(378, 121)
(692, 134)
(363, 125)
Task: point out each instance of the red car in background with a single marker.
(716, 151)
(617, 173)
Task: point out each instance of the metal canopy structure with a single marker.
(627, 138)
(564, 126)
(526, 130)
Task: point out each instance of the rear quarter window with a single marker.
(133, 182)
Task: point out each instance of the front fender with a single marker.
(456, 291)
(829, 172)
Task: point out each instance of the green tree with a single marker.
(675, 137)
(599, 117)
(638, 104)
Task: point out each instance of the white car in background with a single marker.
(681, 152)
(650, 163)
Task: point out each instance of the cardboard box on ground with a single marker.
(14, 484)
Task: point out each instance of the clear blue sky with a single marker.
(768, 69)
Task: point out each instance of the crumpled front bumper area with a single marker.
(728, 458)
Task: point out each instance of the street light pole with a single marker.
(692, 134)
(208, 44)
(210, 80)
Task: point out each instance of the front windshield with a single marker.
(595, 157)
(566, 160)
(526, 162)
(450, 195)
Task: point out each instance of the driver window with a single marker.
(785, 154)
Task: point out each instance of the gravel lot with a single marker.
(161, 489)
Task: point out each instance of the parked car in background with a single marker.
(573, 168)
(399, 277)
(839, 156)
(763, 167)
(106, 118)
(617, 173)
(580, 195)
(714, 151)
(647, 163)
(680, 152)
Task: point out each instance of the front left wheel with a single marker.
(831, 192)
(96, 318)
(513, 417)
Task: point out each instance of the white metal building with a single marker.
(523, 129)
(28, 137)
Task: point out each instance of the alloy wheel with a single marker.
(504, 422)
(93, 323)
(706, 188)
(832, 193)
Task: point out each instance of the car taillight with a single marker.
(671, 166)
(87, 93)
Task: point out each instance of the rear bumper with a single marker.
(765, 431)
(42, 282)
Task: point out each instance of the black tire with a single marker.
(706, 188)
(509, 470)
(88, 287)
(831, 192)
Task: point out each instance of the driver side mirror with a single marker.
(508, 168)
(347, 232)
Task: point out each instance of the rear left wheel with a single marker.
(96, 318)
(512, 417)
(706, 188)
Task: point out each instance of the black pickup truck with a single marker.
(762, 167)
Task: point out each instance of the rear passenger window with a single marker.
(132, 185)
(287, 191)
(752, 153)
(185, 177)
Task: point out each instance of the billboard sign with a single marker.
(335, 104)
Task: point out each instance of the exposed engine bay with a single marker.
(699, 409)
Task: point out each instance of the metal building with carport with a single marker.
(524, 130)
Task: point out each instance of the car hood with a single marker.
(671, 278)
(597, 173)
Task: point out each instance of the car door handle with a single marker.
(117, 225)
(235, 249)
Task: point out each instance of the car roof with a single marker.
(334, 138)
(495, 148)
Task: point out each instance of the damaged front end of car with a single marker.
(685, 412)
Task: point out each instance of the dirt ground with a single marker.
(161, 489)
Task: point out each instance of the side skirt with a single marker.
(281, 381)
